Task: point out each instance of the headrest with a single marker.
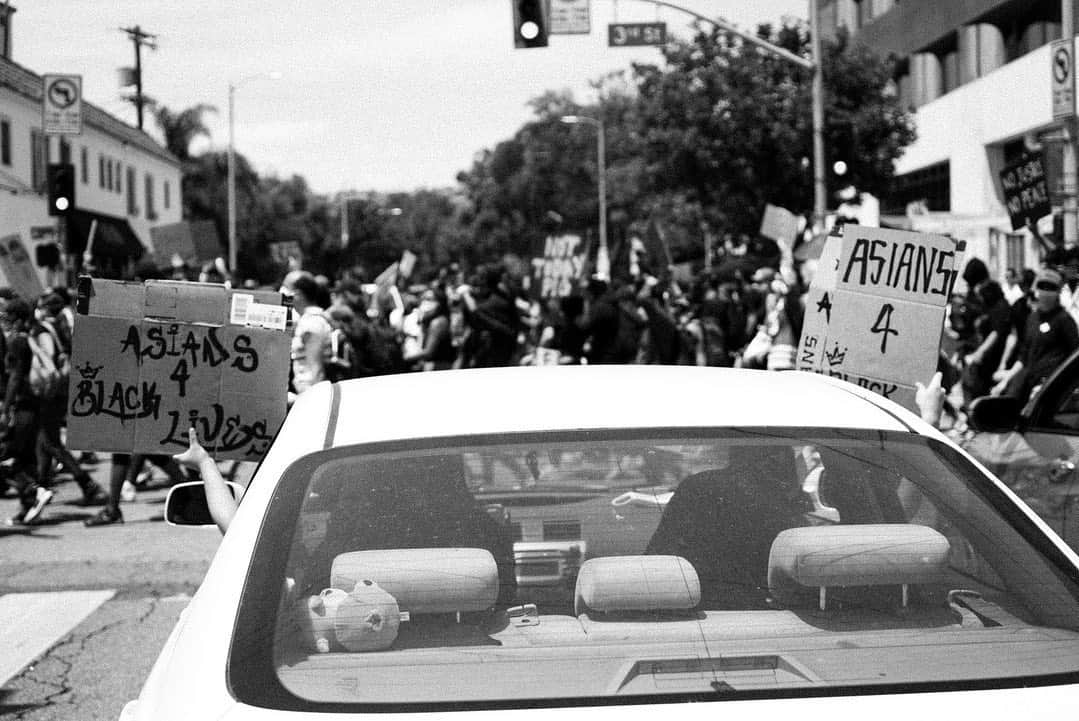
(424, 580)
(856, 555)
(637, 583)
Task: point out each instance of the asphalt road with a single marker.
(95, 654)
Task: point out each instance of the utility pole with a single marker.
(1071, 222)
(139, 38)
(820, 200)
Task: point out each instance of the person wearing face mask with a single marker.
(1051, 336)
(437, 351)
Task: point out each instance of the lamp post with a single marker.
(232, 161)
(603, 261)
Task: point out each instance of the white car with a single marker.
(531, 541)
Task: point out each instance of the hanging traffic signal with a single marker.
(61, 182)
(530, 23)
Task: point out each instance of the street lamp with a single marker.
(232, 160)
(603, 261)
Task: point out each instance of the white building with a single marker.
(125, 180)
(977, 73)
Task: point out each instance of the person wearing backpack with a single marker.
(19, 414)
(48, 344)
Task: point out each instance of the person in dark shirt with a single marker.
(496, 318)
(20, 413)
(991, 329)
(1051, 336)
(600, 321)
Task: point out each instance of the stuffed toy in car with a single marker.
(365, 619)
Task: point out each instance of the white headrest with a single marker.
(856, 555)
(637, 583)
(424, 580)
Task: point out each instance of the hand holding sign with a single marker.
(930, 399)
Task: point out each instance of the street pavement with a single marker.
(85, 611)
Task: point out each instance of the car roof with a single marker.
(524, 399)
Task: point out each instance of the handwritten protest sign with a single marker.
(149, 361)
(875, 311)
(1026, 192)
(556, 274)
(18, 268)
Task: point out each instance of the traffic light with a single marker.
(61, 181)
(530, 23)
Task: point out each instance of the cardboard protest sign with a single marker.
(875, 310)
(150, 360)
(194, 242)
(1026, 191)
(780, 225)
(555, 275)
(19, 268)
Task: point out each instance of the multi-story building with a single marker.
(977, 73)
(126, 182)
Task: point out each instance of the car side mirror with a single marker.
(994, 414)
(186, 504)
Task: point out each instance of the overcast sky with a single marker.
(375, 94)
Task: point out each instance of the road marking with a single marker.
(31, 623)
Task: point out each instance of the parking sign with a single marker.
(61, 104)
(1062, 62)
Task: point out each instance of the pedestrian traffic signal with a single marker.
(61, 182)
(47, 255)
(530, 23)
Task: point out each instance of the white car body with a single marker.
(189, 680)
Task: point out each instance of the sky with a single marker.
(380, 95)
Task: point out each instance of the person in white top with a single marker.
(311, 334)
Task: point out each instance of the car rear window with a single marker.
(598, 567)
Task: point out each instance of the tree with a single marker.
(727, 127)
(180, 129)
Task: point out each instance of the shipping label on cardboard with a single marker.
(875, 312)
(137, 384)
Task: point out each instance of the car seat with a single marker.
(723, 521)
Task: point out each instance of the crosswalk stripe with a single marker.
(30, 623)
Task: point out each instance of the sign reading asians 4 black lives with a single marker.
(149, 361)
(556, 274)
(875, 310)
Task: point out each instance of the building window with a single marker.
(101, 170)
(65, 151)
(85, 165)
(132, 206)
(119, 177)
(151, 211)
(930, 185)
(38, 159)
(5, 141)
(165, 195)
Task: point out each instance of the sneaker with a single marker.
(44, 496)
(144, 477)
(18, 519)
(105, 517)
(127, 493)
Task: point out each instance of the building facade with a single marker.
(977, 74)
(126, 182)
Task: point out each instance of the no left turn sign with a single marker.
(61, 104)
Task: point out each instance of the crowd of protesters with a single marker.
(744, 311)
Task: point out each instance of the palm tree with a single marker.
(179, 129)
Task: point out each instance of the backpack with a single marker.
(48, 375)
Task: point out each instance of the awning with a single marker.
(113, 237)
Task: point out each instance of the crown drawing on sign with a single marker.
(835, 357)
(89, 372)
